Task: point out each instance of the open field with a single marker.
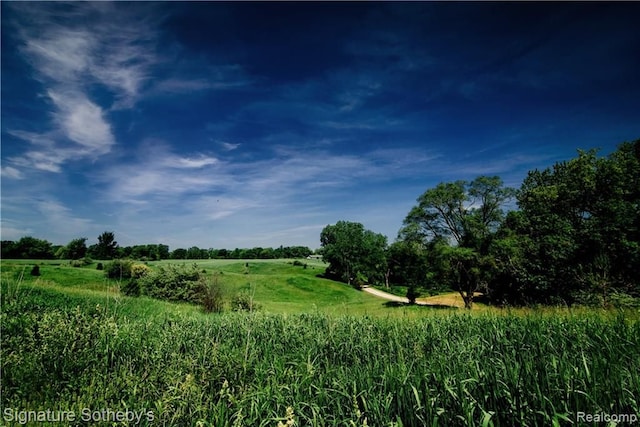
(278, 286)
(322, 352)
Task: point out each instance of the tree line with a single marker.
(573, 239)
(107, 248)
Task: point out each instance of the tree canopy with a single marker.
(576, 235)
(355, 255)
(456, 220)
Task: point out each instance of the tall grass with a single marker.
(259, 369)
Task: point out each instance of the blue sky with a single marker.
(256, 124)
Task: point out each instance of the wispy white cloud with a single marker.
(13, 230)
(71, 49)
(41, 213)
(177, 85)
(158, 172)
(229, 146)
(196, 162)
(11, 172)
(291, 182)
(82, 121)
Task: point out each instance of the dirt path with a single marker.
(451, 300)
(388, 296)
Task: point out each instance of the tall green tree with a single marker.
(581, 221)
(461, 217)
(407, 263)
(75, 249)
(355, 255)
(107, 246)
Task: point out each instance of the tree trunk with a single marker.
(467, 297)
(468, 301)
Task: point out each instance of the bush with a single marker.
(622, 300)
(35, 271)
(173, 283)
(131, 288)
(99, 266)
(82, 262)
(139, 270)
(118, 269)
(243, 301)
(211, 294)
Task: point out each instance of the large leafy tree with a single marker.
(75, 249)
(355, 255)
(107, 246)
(461, 217)
(407, 262)
(580, 220)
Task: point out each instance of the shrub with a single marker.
(622, 300)
(131, 288)
(173, 283)
(243, 301)
(211, 294)
(118, 269)
(82, 262)
(99, 266)
(35, 271)
(139, 270)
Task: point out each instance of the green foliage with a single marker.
(27, 248)
(173, 282)
(81, 262)
(466, 214)
(412, 294)
(319, 370)
(245, 301)
(578, 230)
(119, 269)
(179, 253)
(35, 271)
(212, 297)
(131, 288)
(75, 249)
(466, 268)
(408, 264)
(139, 270)
(107, 246)
(353, 253)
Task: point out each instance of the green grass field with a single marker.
(277, 285)
(318, 353)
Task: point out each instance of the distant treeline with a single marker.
(33, 248)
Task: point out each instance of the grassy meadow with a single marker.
(317, 353)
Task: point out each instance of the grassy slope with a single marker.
(277, 285)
